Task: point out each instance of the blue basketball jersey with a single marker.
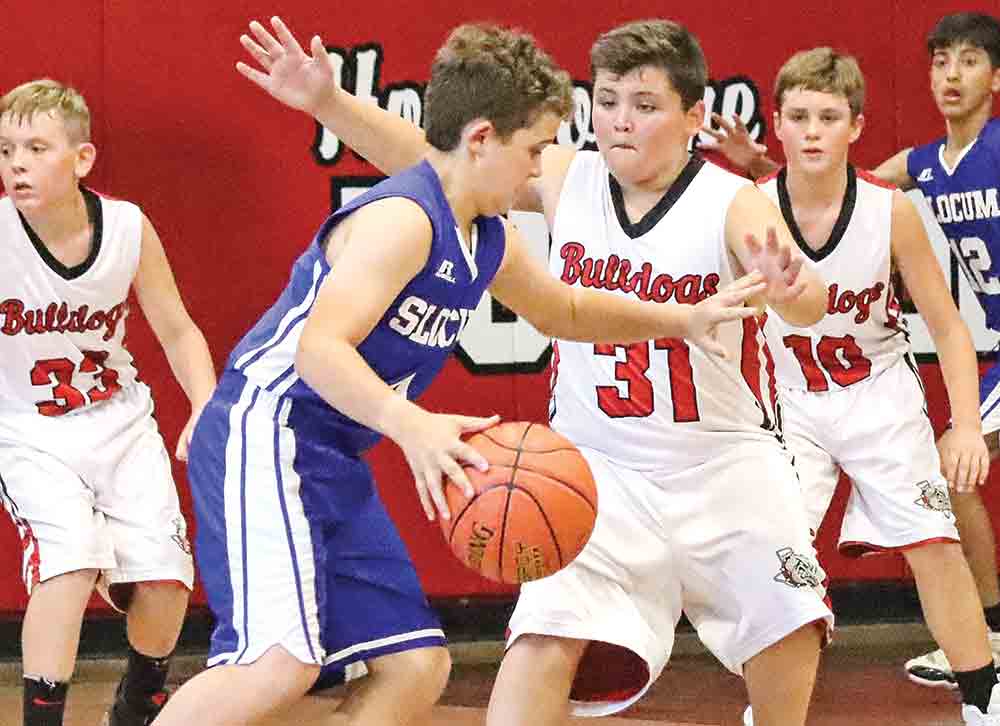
(412, 340)
(965, 204)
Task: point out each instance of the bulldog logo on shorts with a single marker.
(180, 534)
(935, 498)
(798, 570)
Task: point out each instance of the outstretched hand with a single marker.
(434, 449)
(296, 79)
(779, 265)
(732, 140)
(729, 303)
(965, 459)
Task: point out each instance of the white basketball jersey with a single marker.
(61, 329)
(663, 404)
(863, 332)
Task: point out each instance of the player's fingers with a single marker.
(266, 40)
(437, 494)
(259, 54)
(746, 286)
(318, 51)
(759, 148)
(739, 125)
(425, 499)
(723, 123)
(714, 133)
(772, 240)
(471, 424)
(795, 289)
(464, 452)
(792, 269)
(984, 468)
(753, 244)
(728, 314)
(458, 477)
(285, 36)
(962, 471)
(261, 79)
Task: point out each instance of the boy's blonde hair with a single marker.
(824, 70)
(52, 97)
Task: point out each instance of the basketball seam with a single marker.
(545, 518)
(506, 509)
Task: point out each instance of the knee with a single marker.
(426, 668)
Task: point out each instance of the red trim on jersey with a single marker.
(872, 179)
(866, 549)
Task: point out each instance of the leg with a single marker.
(50, 634)
(950, 603)
(235, 695)
(155, 615)
(780, 678)
(978, 543)
(534, 681)
(400, 689)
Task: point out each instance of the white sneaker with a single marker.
(933, 669)
(972, 716)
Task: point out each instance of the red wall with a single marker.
(229, 179)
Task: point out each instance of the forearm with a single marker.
(593, 316)
(191, 363)
(386, 140)
(960, 371)
(338, 373)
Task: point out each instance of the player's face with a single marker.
(963, 80)
(816, 130)
(39, 164)
(511, 163)
(642, 128)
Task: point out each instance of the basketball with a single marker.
(533, 509)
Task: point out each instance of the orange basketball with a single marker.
(533, 510)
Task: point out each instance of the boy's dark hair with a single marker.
(661, 44)
(977, 29)
(485, 71)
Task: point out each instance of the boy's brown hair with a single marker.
(661, 44)
(824, 70)
(47, 96)
(977, 29)
(501, 75)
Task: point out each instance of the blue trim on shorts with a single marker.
(288, 536)
(243, 523)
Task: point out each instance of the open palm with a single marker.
(296, 79)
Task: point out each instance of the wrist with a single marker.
(325, 102)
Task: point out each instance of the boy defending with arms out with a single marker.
(851, 397)
(306, 574)
(675, 437)
(960, 177)
(85, 476)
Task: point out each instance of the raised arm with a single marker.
(964, 456)
(182, 341)
(759, 240)
(894, 170)
(306, 82)
(573, 313)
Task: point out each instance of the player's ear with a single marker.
(995, 85)
(695, 117)
(86, 155)
(476, 134)
(857, 124)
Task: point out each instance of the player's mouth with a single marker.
(812, 152)
(952, 94)
(624, 147)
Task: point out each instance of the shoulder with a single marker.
(866, 177)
